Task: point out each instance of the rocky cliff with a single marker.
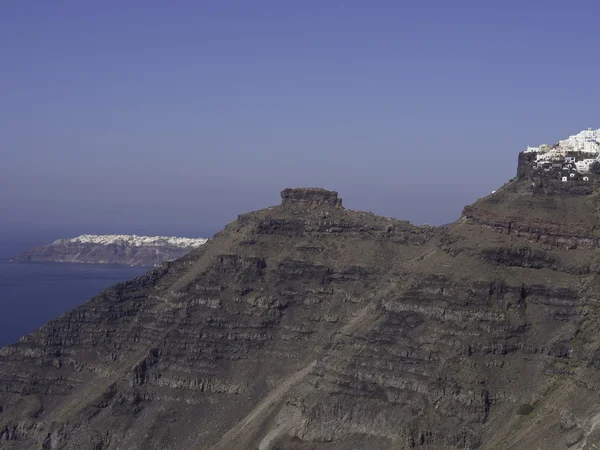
(310, 326)
(111, 249)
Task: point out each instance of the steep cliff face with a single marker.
(111, 249)
(310, 326)
(537, 205)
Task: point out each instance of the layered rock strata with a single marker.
(310, 326)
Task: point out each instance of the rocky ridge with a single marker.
(112, 249)
(310, 326)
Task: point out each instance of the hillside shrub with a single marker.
(525, 409)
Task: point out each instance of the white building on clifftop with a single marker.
(576, 153)
(587, 141)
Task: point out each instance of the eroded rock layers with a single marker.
(307, 325)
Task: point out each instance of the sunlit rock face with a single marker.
(310, 326)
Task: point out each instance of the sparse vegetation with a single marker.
(525, 409)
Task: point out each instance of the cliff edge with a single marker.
(307, 325)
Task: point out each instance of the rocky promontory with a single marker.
(307, 325)
(111, 249)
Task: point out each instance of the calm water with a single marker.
(32, 294)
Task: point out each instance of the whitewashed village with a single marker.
(571, 158)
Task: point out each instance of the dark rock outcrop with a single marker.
(316, 196)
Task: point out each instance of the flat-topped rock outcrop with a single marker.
(312, 196)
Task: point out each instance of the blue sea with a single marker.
(32, 294)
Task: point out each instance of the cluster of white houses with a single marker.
(571, 157)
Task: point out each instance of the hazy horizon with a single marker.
(146, 118)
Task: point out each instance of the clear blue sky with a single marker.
(142, 116)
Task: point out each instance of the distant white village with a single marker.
(134, 240)
(572, 157)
